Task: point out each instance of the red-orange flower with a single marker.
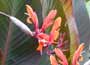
(77, 54)
(48, 21)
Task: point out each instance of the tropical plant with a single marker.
(58, 35)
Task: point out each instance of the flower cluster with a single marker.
(56, 55)
(62, 59)
(46, 40)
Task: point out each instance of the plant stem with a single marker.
(7, 43)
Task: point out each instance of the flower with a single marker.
(40, 32)
(77, 54)
(48, 20)
(32, 16)
(55, 30)
(40, 47)
(62, 58)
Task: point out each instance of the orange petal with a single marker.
(77, 54)
(40, 47)
(53, 60)
(29, 10)
(60, 62)
(61, 56)
(56, 24)
(56, 34)
(55, 27)
(48, 19)
(32, 15)
(81, 47)
(81, 58)
(29, 21)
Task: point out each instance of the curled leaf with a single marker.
(19, 23)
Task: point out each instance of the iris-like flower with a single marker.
(43, 38)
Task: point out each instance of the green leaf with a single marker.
(20, 45)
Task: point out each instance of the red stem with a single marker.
(7, 44)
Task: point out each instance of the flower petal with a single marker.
(61, 56)
(53, 60)
(40, 47)
(55, 27)
(77, 54)
(43, 36)
(32, 15)
(29, 21)
(56, 34)
(48, 20)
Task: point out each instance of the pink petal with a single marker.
(32, 15)
(43, 36)
(77, 54)
(61, 56)
(55, 27)
(48, 20)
